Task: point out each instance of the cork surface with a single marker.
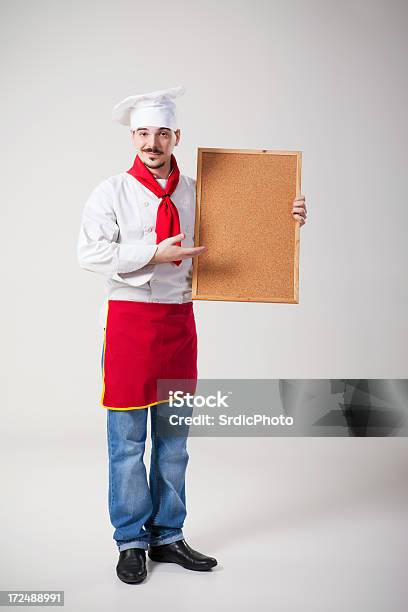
(243, 217)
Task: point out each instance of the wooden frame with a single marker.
(212, 279)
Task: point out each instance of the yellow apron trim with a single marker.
(104, 353)
(135, 407)
(103, 377)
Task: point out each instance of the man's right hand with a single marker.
(167, 251)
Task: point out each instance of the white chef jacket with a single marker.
(117, 239)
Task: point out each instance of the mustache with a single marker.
(152, 151)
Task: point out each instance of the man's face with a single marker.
(155, 144)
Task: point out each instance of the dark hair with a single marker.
(133, 131)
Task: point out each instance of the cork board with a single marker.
(244, 218)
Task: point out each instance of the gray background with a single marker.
(312, 524)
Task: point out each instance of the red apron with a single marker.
(145, 342)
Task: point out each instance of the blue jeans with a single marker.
(146, 513)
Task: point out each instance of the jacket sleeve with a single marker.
(97, 247)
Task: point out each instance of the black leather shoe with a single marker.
(131, 567)
(181, 553)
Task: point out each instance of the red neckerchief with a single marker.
(167, 220)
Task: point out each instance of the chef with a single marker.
(137, 230)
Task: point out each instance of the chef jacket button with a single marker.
(149, 229)
(146, 203)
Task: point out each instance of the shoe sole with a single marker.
(194, 569)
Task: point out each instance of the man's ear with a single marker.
(178, 134)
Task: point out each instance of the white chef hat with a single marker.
(155, 108)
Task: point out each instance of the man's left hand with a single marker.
(299, 210)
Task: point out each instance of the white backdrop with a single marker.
(321, 77)
(324, 77)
